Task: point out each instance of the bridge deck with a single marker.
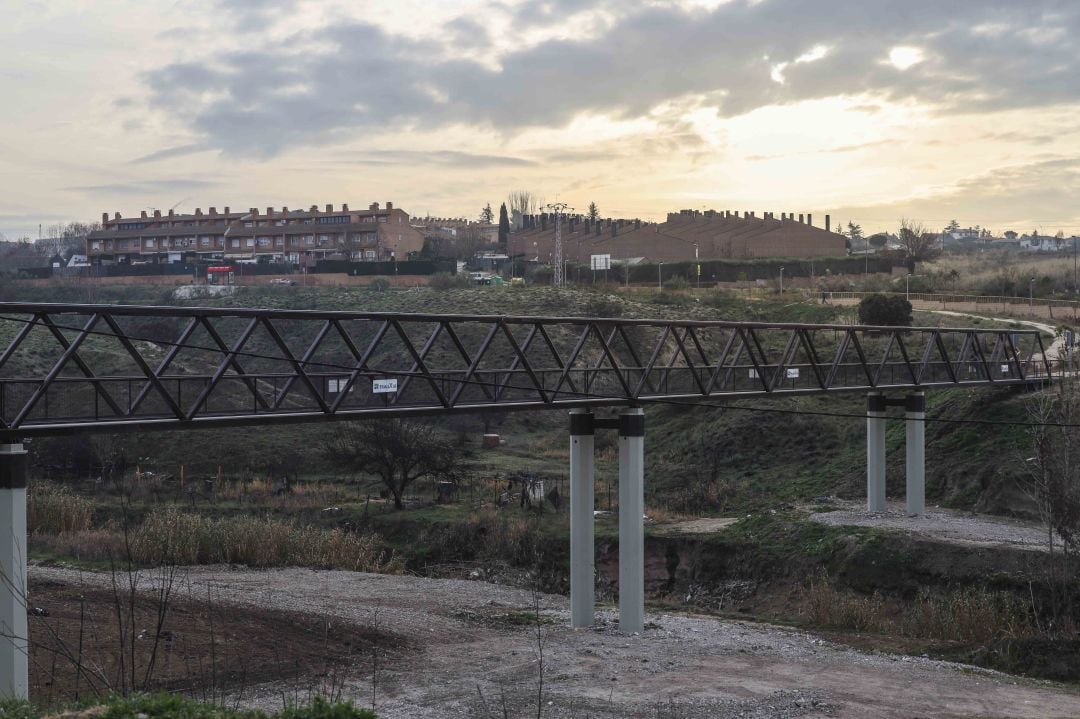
(103, 367)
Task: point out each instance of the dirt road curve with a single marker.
(471, 652)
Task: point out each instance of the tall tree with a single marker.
(397, 451)
(522, 201)
(487, 215)
(916, 244)
(504, 225)
(594, 212)
(953, 226)
(854, 231)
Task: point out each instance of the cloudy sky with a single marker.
(866, 109)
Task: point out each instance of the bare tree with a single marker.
(397, 451)
(1054, 484)
(62, 238)
(522, 201)
(916, 243)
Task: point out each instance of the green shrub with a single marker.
(446, 281)
(885, 310)
(379, 284)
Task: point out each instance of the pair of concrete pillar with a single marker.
(914, 418)
(631, 426)
(14, 638)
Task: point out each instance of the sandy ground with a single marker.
(471, 654)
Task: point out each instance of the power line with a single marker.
(506, 386)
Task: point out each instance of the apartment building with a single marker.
(292, 237)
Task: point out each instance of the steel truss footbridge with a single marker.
(100, 368)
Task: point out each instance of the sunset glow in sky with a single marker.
(868, 111)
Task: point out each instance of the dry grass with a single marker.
(52, 509)
(967, 615)
(174, 537)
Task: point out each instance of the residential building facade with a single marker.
(289, 237)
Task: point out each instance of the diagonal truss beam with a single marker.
(510, 362)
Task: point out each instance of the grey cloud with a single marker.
(449, 158)
(271, 97)
(139, 187)
(170, 152)
(842, 149)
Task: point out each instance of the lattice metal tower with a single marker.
(559, 209)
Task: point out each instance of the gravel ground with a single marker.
(944, 524)
(467, 660)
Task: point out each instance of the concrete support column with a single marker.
(875, 452)
(631, 524)
(914, 416)
(14, 644)
(582, 551)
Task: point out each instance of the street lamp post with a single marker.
(1031, 295)
(660, 276)
(697, 268)
(907, 287)
(781, 280)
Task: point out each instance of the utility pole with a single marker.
(559, 209)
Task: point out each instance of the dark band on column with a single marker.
(13, 471)
(876, 403)
(631, 425)
(582, 423)
(915, 403)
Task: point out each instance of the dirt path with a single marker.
(942, 524)
(473, 651)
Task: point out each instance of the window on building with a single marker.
(369, 255)
(264, 242)
(309, 240)
(249, 224)
(149, 244)
(333, 220)
(95, 245)
(279, 242)
(250, 242)
(236, 244)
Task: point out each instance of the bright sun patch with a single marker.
(902, 57)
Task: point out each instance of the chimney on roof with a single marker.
(810, 219)
(144, 214)
(828, 223)
(104, 218)
(213, 211)
(389, 206)
(614, 229)
(800, 218)
(171, 213)
(314, 209)
(284, 210)
(543, 220)
(157, 213)
(597, 225)
(637, 224)
(117, 216)
(329, 207)
(269, 211)
(344, 207)
(373, 206)
(226, 210)
(198, 211)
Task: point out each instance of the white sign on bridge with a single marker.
(384, 386)
(601, 262)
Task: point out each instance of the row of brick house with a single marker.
(294, 237)
(685, 235)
